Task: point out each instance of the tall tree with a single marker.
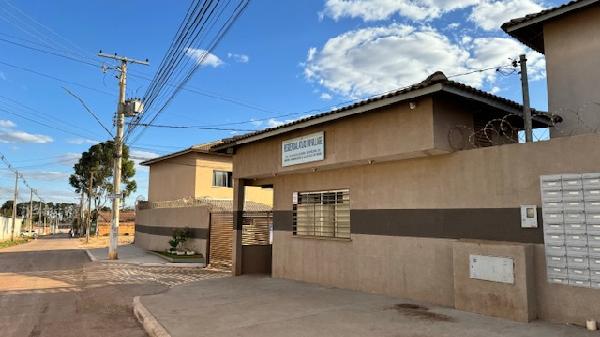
(99, 159)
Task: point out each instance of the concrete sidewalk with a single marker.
(133, 254)
(262, 306)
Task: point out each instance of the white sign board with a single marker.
(492, 268)
(303, 149)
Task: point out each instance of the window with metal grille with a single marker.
(322, 214)
(222, 179)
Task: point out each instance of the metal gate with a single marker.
(256, 228)
(220, 239)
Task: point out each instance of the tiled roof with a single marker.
(435, 78)
(198, 148)
(529, 30)
(215, 205)
(532, 16)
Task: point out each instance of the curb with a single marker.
(151, 325)
(156, 264)
(91, 256)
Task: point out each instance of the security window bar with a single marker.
(322, 214)
(222, 179)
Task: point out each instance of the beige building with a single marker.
(196, 173)
(379, 197)
(569, 37)
(194, 188)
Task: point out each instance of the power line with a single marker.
(199, 127)
(164, 74)
(39, 115)
(89, 110)
(55, 78)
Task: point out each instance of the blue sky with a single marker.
(281, 60)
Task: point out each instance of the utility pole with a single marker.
(30, 211)
(89, 220)
(526, 107)
(120, 123)
(80, 222)
(14, 211)
(45, 216)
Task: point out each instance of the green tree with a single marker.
(99, 160)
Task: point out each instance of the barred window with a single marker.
(322, 214)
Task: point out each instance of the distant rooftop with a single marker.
(529, 29)
(198, 148)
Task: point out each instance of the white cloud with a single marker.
(5, 123)
(46, 175)
(490, 52)
(374, 60)
(325, 96)
(139, 156)
(489, 15)
(143, 155)
(376, 10)
(79, 141)
(10, 136)
(240, 58)
(68, 159)
(204, 58)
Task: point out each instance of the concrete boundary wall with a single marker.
(6, 228)
(155, 226)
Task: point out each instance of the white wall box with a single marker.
(492, 268)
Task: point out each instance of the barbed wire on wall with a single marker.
(496, 131)
(582, 119)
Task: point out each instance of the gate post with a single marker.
(239, 187)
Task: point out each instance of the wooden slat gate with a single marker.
(256, 231)
(220, 239)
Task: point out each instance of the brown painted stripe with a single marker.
(197, 233)
(498, 224)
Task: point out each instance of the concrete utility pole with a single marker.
(30, 211)
(45, 216)
(14, 211)
(120, 121)
(80, 222)
(89, 220)
(526, 108)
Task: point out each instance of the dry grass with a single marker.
(102, 241)
(16, 241)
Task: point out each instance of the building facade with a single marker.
(569, 37)
(376, 197)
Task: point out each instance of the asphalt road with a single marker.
(48, 287)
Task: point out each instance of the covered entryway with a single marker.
(256, 242)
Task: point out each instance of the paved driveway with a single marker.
(260, 306)
(48, 288)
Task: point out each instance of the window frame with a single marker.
(330, 217)
(228, 179)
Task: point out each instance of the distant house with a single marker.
(569, 36)
(126, 222)
(194, 188)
